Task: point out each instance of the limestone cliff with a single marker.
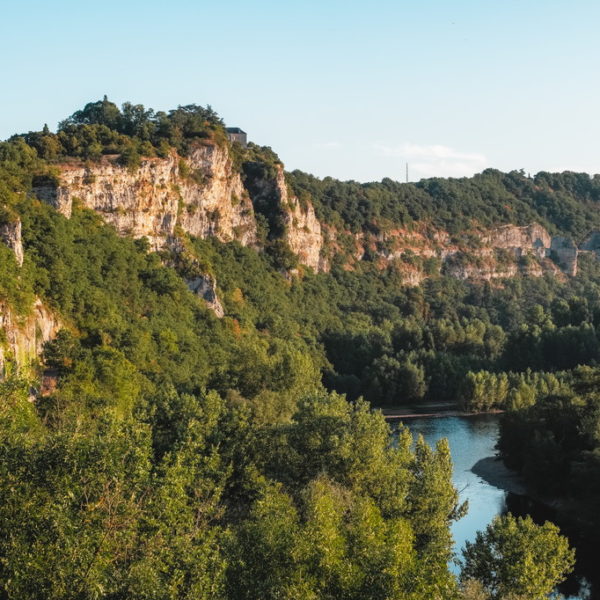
(532, 239)
(10, 234)
(206, 196)
(480, 254)
(24, 337)
(501, 253)
(202, 194)
(302, 229)
(565, 252)
(287, 217)
(205, 286)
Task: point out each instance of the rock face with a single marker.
(206, 196)
(25, 337)
(479, 271)
(506, 251)
(532, 239)
(288, 218)
(303, 234)
(302, 229)
(202, 194)
(205, 286)
(565, 253)
(498, 253)
(10, 234)
(483, 255)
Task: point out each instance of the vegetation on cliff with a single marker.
(101, 128)
(565, 203)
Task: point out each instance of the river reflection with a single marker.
(471, 439)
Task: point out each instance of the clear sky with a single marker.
(336, 87)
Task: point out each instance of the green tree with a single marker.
(434, 506)
(102, 112)
(516, 556)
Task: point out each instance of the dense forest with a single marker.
(565, 202)
(178, 455)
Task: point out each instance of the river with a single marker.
(472, 439)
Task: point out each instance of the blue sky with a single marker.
(348, 89)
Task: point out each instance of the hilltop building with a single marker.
(235, 134)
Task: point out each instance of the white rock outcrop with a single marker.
(201, 193)
(205, 286)
(24, 337)
(10, 234)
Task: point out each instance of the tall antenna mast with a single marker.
(406, 172)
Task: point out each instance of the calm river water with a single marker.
(471, 439)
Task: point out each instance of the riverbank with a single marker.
(493, 471)
(431, 411)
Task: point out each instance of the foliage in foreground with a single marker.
(516, 558)
(322, 506)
